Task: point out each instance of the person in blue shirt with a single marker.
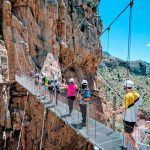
(84, 97)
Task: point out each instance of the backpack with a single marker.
(86, 93)
(45, 81)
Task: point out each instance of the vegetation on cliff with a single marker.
(115, 70)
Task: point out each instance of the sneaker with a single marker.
(69, 115)
(65, 116)
(42, 97)
(38, 95)
(83, 124)
(123, 148)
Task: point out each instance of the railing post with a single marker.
(113, 117)
(55, 97)
(42, 130)
(95, 121)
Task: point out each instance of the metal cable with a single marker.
(120, 98)
(16, 52)
(107, 57)
(71, 38)
(128, 55)
(75, 59)
(115, 19)
(43, 123)
(24, 112)
(25, 58)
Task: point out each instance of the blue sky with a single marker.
(140, 49)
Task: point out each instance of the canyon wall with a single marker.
(60, 38)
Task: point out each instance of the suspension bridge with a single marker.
(101, 136)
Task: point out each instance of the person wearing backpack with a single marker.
(56, 86)
(36, 83)
(71, 93)
(84, 97)
(45, 80)
(51, 89)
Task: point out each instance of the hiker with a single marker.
(37, 83)
(56, 87)
(45, 80)
(63, 81)
(36, 79)
(84, 97)
(54, 84)
(129, 110)
(71, 93)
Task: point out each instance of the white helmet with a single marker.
(55, 78)
(84, 82)
(37, 74)
(71, 80)
(44, 74)
(128, 84)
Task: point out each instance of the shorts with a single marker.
(128, 126)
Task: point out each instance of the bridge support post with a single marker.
(55, 98)
(113, 117)
(42, 130)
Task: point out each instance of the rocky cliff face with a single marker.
(3, 62)
(59, 37)
(137, 67)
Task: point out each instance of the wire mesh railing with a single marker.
(103, 132)
(93, 129)
(118, 119)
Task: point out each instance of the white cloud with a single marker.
(148, 45)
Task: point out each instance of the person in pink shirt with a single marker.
(71, 93)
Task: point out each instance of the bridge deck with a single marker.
(97, 133)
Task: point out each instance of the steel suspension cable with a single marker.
(71, 38)
(42, 130)
(108, 41)
(21, 42)
(115, 19)
(27, 25)
(129, 39)
(24, 112)
(16, 51)
(75, 59)
(128, 57)
(110, 86)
